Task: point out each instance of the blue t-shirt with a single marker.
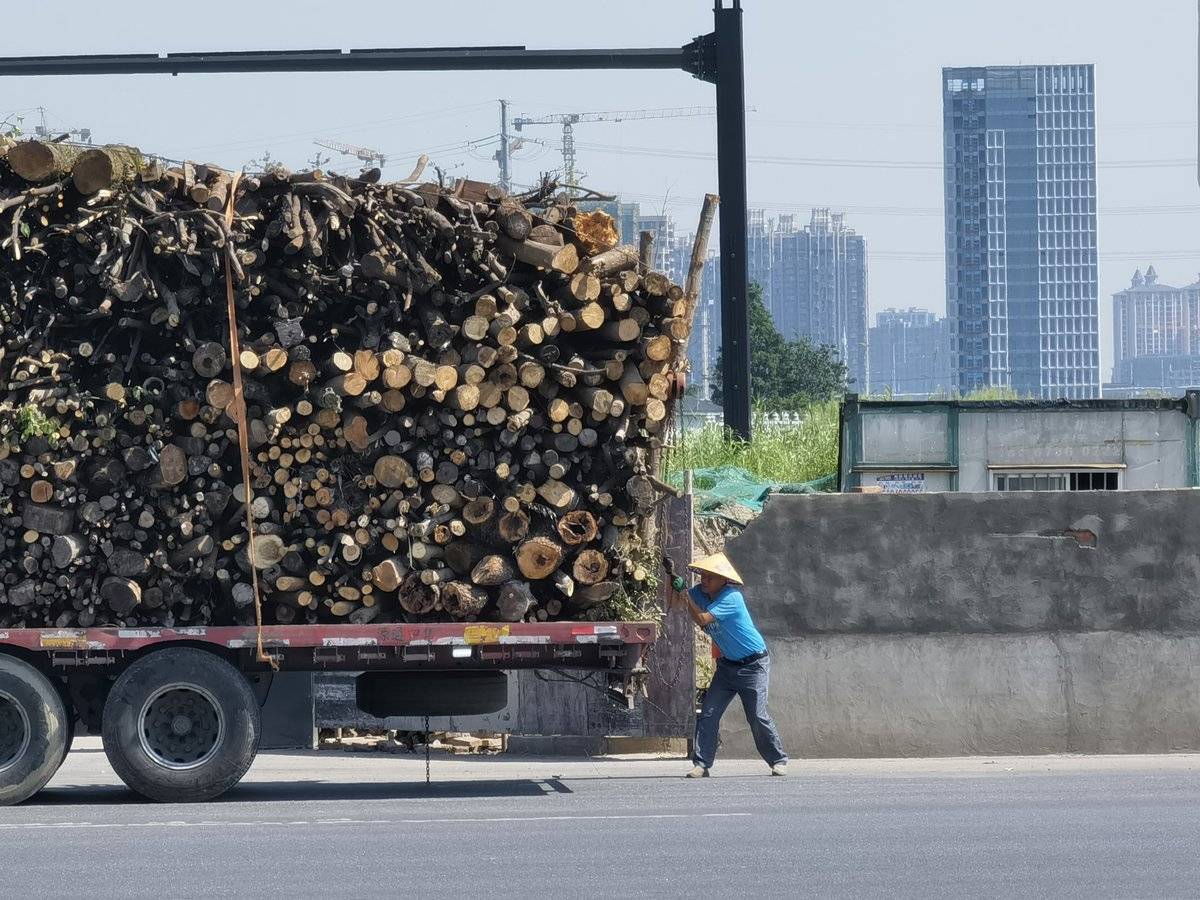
(732, 630)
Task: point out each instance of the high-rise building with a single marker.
(819, 288)
(910, 353)
(1156, 334)
(1020, 194)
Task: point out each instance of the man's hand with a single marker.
(677, 584)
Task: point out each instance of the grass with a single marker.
(782, 453)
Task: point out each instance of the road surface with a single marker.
(355, 825)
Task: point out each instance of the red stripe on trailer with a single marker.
(301, 636)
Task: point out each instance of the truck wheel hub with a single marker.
(181, 726)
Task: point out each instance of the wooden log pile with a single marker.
(451, 397)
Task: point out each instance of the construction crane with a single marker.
(568, 121)
(365, 154)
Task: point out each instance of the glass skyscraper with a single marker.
(1020, 191)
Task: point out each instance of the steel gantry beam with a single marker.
(715, 58)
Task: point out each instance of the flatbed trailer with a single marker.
(179, 708)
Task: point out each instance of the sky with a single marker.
(841, 93)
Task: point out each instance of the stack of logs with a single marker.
(452, 396)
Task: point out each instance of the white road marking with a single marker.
(17, 826)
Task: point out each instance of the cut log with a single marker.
(514, 601)
(514, 221)
(415, 597)
(578, 527)
(557, 494)
(563, 259)
(463, 601)
(268, 550)
(389, 574)
(633, 388)
(514, 525)
(590, 567)
(538, 557)
(492, 570)
(392, 471)
(122, 595)
(39, 161)
(612, 261)
(546, 234)
(102, 168)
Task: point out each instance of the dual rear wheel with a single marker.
(180, 725)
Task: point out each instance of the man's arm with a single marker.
(699, 616)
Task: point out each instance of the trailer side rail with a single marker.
(478, 645)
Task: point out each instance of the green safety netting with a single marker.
(716, 488)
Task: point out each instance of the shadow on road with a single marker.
(310, 790)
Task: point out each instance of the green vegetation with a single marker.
(785, 375)
(782, 453)
(987, 393)
(637, 600)
(32, 421)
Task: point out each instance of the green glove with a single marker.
(678, 583)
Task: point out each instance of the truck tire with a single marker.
(33, 730)
(181, 726)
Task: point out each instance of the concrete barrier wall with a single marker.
(977, 623)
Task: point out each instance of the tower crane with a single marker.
(365, 154)
(568, 121)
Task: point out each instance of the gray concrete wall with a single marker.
(955, 695)
(951, 624)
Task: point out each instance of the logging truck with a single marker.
(179, 709)
(414, 428)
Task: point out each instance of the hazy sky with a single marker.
(831, 83)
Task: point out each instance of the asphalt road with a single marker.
(356, 825)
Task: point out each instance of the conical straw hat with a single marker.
(717, 564)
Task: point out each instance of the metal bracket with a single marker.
(700, 58)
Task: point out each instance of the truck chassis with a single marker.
(178, 708)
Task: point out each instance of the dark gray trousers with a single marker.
(749, 682)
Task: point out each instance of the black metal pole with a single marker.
(369, 60)
(731, 174)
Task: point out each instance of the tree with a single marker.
(784, 374)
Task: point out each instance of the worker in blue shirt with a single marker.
(743, 669)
